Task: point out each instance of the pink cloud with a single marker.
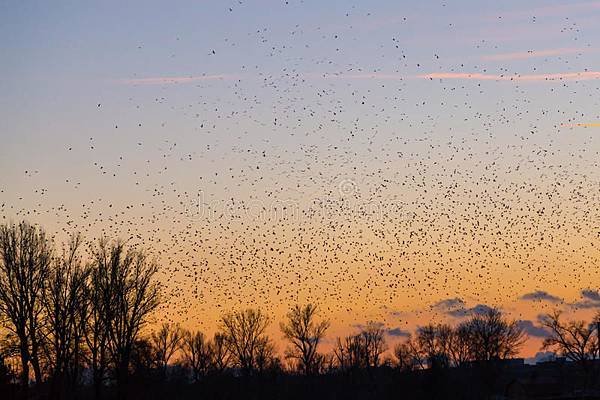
(167, 80)
(582, 125)
(366, 75)
(531, 54)
(564, 76)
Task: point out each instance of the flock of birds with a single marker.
(370, 193)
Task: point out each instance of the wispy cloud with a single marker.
(456, 307)
(398, 332)
(524, 55)
(563, 76)
(171, 80)
(533, 330)
(582, 125)
(590, 298)
(358, 76)
(540, 295)
(452, 303)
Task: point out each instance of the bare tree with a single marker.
(220, 353)
(244, 333)
(265, 356)
(460, 345)
(166, 341)
(95, 325)
(349, 352)
(143, 357)
(128, 295)
(362, 350)
(493, 337)
(304, 334)
(374, 343)
(25, 256)
(64, 309)
(575, 340)
(197, 353)
(433, 344)
(406, 358)
(481, 338)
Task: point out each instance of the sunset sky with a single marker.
(391, 161)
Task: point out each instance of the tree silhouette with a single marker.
(95, 324)
(166, 341)
(460, 345)
(433, 344)
(304, 334)
(406, 358)
(220, 353)
(143, 358)
(25, 256)
(244, 334)
(128, 295)
(575, 340)
(362, 350)
(484, 337)
(65, 313)
(493, 337)
(197, 353)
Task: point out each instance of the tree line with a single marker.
(70, 322)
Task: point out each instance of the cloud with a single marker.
(540, 295)
(398, 332)
(169, 80)
(449, 303)
(541, 357)
(479, 309)
(582, 125)
(398, 313)
(563, 76)
(590, 294)
(358, 76)
(590, 299)
(524, 55)
(532, 330)
(375, 324)
(457, 308)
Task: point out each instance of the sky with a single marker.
(391, 161)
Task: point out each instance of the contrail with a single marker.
(582, 125)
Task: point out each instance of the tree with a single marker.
(128, 294)
(95, 325)
(220, 353)
(406, 358)
(304, 334)
(166, 341)
(433, 345)
(197, 353)
(493, 337)
(143, 358)
(25, 256)
(362, 350)
(575, 340)
(64, 309)
(374, 343)
(349, 353)
(244, 334)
